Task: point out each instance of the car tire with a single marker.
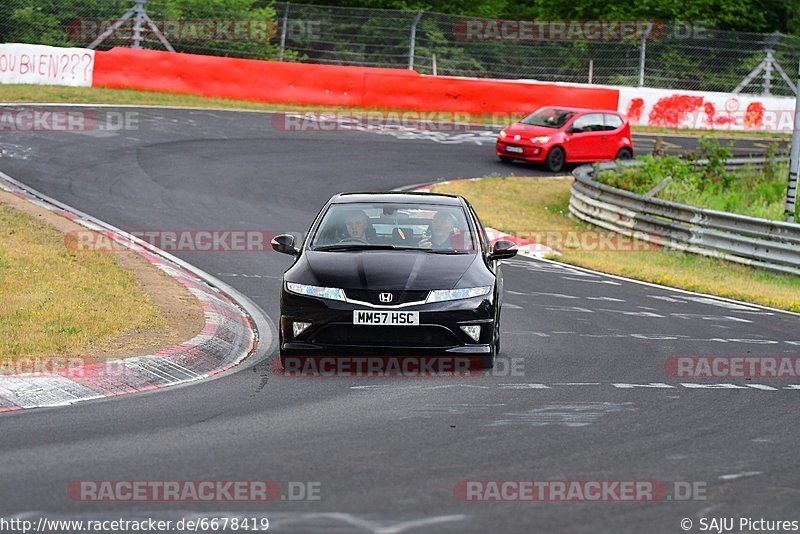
(624, 153)
(487, 360)
(505, 159)
(497, 335)
(281, 355)
(285, 357)
(296, 361)
(556, 159)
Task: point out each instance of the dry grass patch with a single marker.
(59, 301)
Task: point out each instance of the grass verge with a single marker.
(98, 95)
(538, 207)
(55, 301)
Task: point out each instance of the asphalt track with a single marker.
(387, 453)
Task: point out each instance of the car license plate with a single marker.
(395, 318)
(515, 149)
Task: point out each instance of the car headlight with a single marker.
(333, 293)
(503, 134)
(540, 139)
(441, 295)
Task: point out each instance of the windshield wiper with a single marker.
(440, 251)
(538, 124)
(360, 246)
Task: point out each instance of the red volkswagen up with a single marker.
(559, 135)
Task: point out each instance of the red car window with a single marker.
(591, 122)
(613, 121)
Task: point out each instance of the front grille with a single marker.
(398, 296)
(386, 336)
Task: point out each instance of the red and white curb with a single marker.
(228, 336)
(524, 246)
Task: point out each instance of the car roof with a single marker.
(582, 110)
(398, 197)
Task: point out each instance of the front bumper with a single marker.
(332, 332)
(529, 152)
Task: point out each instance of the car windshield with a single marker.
(394, 226)
(548, 117)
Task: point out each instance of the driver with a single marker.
(444, 234)
(357, 223)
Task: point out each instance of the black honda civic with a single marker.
(399, 273)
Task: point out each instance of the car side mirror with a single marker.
(502, 250)
(284, 244)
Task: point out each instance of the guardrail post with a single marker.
(658, 147)
(111, 29)
(138, 20)
(643, 52)
(284, 25)
(413, 40)
(766, 86)
(794, 158)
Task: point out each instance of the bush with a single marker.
(757, 192)
(654, 170)
(717, 155)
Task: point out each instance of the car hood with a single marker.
(389, 270)
(529, 130)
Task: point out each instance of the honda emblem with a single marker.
(385, 297)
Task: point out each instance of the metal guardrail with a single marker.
(773, 245)
(733, 164)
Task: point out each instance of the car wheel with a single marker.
(556, 159)
(505, 159)
(624, 153)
